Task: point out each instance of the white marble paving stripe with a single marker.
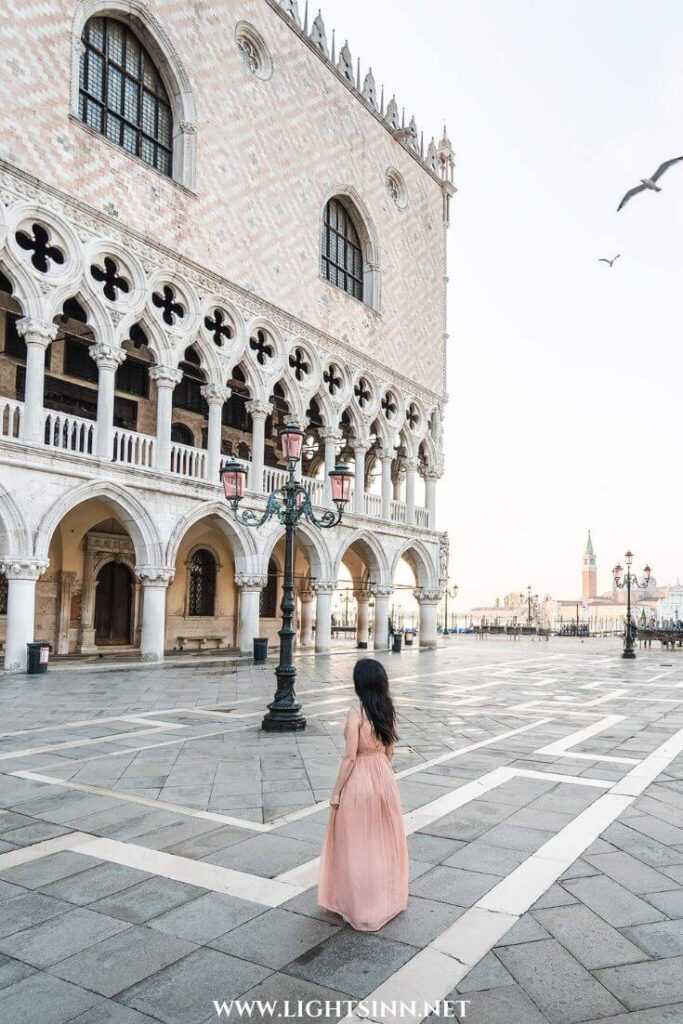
(14, 755)
(306, 875)
(563, 747)
(427, 978)
(473, 668)
(267, 891)
(140, 719)
(28, 853)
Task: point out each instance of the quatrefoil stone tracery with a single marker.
(219, 327)
(362, 392)
(259, 344)
(299, 364)
(43, 253)
(167, 302)
(412, 416)
(109, 277)
(333, 378)
(389, 406)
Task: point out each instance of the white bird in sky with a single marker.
(650, 183)
(603, 259)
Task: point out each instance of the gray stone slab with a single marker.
(278, 988)
(105, 1011)
(208, 842)
(47, 943)
(662, 939)
(432, 849)
(662, 831)
(184, 992)
(8, 892)
(556, 896)
(307, 903)
(557, 983)
(36, 832)
(489, 973)
(139, 903)
(639, 986)
(207, 917)
(421, 922)
(587, 937)
(479, 856)
(43, 998)
(352, 962)
(527, 929)
(38, 873)
(95, 884)
(31, 909)
(670, 903)
(646, 849)
(672, 1014)
(508, 1004)
(275, 938)
(639, 878)
(266, 855)
(123, 960)
(12, 971)
(612, 902)
(453, 885)
(516, 837)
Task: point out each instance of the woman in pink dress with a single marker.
(364, 862)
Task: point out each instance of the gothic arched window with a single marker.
(121, 94)
(341, 255)
(202, 583)
(180, 434)
(268, 600)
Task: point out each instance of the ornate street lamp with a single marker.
(289, 504)
(528, 603)
(627, 580)
(451, 592)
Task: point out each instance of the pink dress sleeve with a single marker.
(351, 734)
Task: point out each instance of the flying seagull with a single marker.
(603, 259)
(650, 183)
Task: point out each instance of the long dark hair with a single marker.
(372, 686)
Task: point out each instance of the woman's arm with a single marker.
(351, 731)
(389, 751)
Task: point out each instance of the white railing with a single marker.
(133, 449)
(316, 490)
(422, 516)
(11, 417)
(398, 511)
(273, 478)
(188, 461)
(72, 433)
(373, 505)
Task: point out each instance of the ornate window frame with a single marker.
(359, 214)
(137, 16)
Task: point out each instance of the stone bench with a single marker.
(203, 643)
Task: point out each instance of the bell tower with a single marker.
(590, 572)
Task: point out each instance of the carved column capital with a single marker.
(324, 586)
(258, 409)
(36, 332)
(330, 434)
(215, 394)
(165, 376)
(23, 568)
(428, 595)
(361, 444)
(106, 356)
(250, 581)
(155, 575)
(379, 591)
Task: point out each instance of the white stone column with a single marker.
(37, 336)
(323, 615)
(431, 476)
(166, 378)
(306, 626)
(411, 468)
(22, 575)
(398, 475)
(362, 618)
(386, 459)
(108, 360)
(330, 439)
(259, 412)
(360, 447)
(66, 583)
(155, 581)
(250, 587)
(215, 397)
(428, 600)
(382, 599)
(86, 640)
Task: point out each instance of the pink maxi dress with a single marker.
(364, 862)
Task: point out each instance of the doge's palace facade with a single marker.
(211, 223)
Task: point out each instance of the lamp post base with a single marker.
(283, 722)
(629, 654)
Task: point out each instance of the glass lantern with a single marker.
(233, 477)
(340, 479)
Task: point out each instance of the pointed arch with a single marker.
(149, 29)
(15, 537)
(132, 513)
(368, 239)
(240, 540)
(372, 552)
(314, 544)
(420, 560)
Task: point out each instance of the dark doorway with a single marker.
(113, 605)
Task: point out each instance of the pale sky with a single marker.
(564, 375)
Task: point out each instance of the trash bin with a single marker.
(396, 647)
(362, 645)
(260, 648)
(409, 639)
(37, 655)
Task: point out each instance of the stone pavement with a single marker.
(159, 852)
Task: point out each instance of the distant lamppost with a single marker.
(628, 580)
(289, 503)
(528, 603)
(451, 592)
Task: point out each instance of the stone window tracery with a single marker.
(43, 252)
(202, 584)
(109, 276)
(121, 94)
